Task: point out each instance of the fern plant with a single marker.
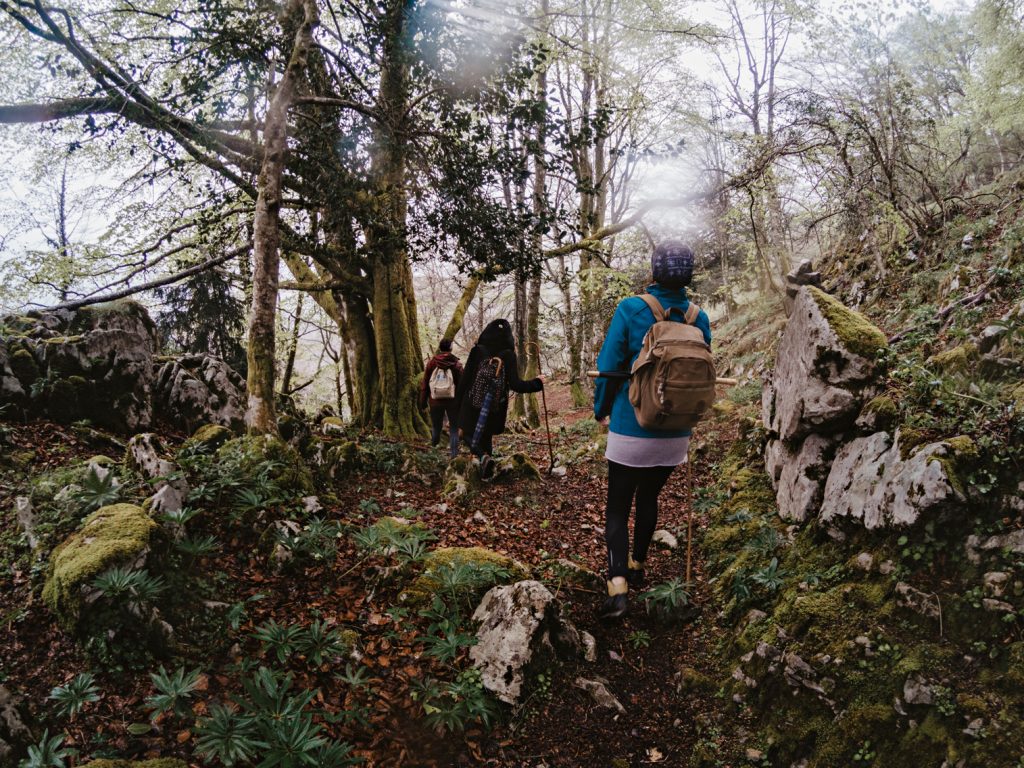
(771, 577)
(72, 697)
(173, 691)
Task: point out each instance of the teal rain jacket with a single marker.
(621, 347)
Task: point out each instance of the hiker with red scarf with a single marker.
(437, 390)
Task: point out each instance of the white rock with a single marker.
(916, 600)
(519, 622)
(558, 471)
(817, 385)
(480, 517)
(996, 606)
(870, 484)
(598, 689)
(589, 647)
(1012, 542)
(26, 519)
(916, 690)
(801, 480)
(664, 539)
(995, 583)
(171, 489)
(864, 561)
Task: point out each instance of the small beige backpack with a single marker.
(672, 382)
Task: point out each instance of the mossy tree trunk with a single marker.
(396, 332)
(260, 416)
(459, 313)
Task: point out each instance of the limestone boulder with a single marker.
(825, 371)
(520, 625)
(799, 475)
(15, 735)
(95, 364)
(873, 485)
(193, 390)
(145, 454)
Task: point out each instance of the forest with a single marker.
(235, 237)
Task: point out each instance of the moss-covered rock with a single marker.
(118, 534)
(878, 414)
(855, 331)
(332, 425)
(960, 359)
(282, 464)
(518, 466)
(101, 461)
(461, 478)
(487, 568)
(210, 437)
(24, 366)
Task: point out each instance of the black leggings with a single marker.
(625, 483)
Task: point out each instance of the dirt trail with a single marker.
(557, 725)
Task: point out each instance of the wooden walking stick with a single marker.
(544, 403)
(689, 516)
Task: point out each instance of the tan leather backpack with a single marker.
(672, 382)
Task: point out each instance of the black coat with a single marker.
(468, 415)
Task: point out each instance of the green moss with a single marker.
(101, 461)
(264, 453)
(160, 762)
(112, 535)
(694, 681)
(963, 447)
(332, 424)
(426, 585)
(960, 359)
(517, 467)
(461, 478)
(909, 439)
(210, 436)
(853, 330)
(860, 724)
(883, 409)
(24, 366)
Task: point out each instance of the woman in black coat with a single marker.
(496, 341)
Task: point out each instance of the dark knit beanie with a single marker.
(672, 264)
(445, 345)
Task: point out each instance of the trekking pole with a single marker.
(544, 403)
(626, 375)
(689, 518)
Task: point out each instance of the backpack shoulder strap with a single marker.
(655, 305)
(691, 313)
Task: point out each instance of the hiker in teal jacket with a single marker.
(639, 460)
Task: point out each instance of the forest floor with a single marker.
(534, 522)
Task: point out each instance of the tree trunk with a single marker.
(459, 313)
(395, 327)
(260, 416)
(293, 347)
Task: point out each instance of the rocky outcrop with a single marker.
(15, 736)
(145, 456)
(193, 390)
(871, 483)
(520, 625)
(96, 364)
(826, 370)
